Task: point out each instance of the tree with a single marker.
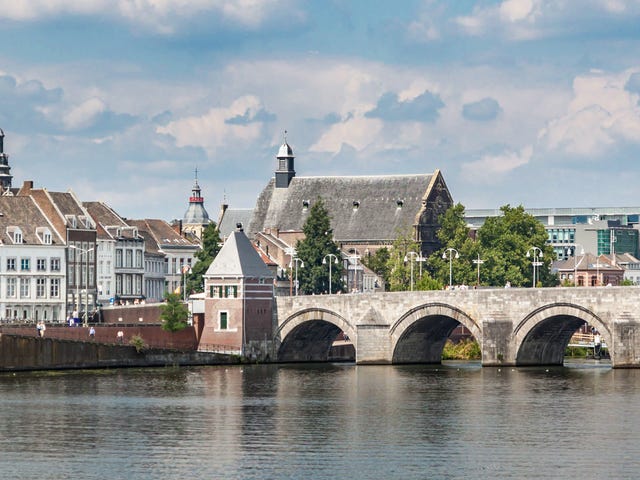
(379, 263)
(317, 244)
(454, 233)
(173, 313)
(505, 241)
(211, 244)
(399, 270)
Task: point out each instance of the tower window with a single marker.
(305, 205)
(399, 203)
(356, 205)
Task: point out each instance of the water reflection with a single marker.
(322, 421)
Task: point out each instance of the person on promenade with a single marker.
(41, 328)
(597, 344)
(120, 336)
(92, 333)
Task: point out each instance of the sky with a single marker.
(519, 102)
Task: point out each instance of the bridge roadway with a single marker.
(514, 326)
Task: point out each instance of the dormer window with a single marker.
(356, 205)
(71, 221)
(44, 235)
(15, 234)
(305, 205)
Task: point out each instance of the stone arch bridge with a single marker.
(514, 326)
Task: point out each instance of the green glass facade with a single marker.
(620, 240)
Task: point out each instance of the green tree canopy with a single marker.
(379, 263)
(318, 242)
(173, 313)
(505, 241)
(211, 244)
(455, 234)
(403, 256)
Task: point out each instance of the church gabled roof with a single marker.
(238, 258)
(361, 207)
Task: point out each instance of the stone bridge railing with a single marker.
(513, 326)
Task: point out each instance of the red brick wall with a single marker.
(153, 335)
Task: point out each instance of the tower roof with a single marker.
(196, 214)
(285, 150)
(238, 258)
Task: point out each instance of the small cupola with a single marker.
(285, 171)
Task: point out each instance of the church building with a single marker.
(367, 212)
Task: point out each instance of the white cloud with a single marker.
(83, 115)
(601, 113)
(159, 15)
(212, 130)
(532, 19)
(492, 168)
(359, 132)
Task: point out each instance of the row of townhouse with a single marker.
(59, 255)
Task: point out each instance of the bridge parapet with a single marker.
(515, 326)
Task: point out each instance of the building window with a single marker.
(11, 287)
(55, 264)
(118, 258)
(25, 264)
(129, 258)
(55, 288)
(41, 264)
(24, 288)
(139, 259)
(41, 287)
(224, 320)
(11, 264)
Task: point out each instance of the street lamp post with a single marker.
(478, 262)
(297, 261)
(537, 254)
(449, 252)
(409, 258)
(575, 261)
(355, 257)
(186, 270)
(85, 252)
(324, 262)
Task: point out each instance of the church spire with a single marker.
(5, 169)
(196, 215)
(285, 171)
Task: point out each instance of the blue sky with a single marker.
(530, 102)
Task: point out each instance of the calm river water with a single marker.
(322, 422)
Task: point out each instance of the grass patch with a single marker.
(467, 349)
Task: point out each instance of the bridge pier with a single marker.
(625, 348)
(373, 345)
(497, 343)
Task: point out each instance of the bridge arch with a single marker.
(419, 335)
(542, 336)
(307, 335)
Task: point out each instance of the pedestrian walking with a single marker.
(92, 333)
(120, 336)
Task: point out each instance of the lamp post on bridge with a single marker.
(297, 261)
(478, 262)
(324, 262)
(449, 252)
(537, 254)
(409, 257)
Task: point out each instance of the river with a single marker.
(324, 421)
